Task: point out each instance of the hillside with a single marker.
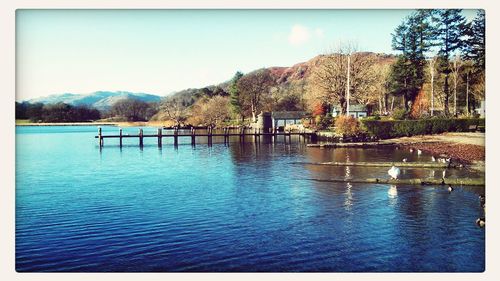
(283, 76)
(101, 100)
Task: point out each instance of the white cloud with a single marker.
(299, 35)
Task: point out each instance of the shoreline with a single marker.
(116, 124)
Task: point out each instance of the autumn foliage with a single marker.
(347, 126)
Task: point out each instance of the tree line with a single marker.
(441, 48)
(59, 112)
(122, 110)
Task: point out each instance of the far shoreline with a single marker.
(23, 123)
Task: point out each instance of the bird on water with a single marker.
(450, 188)
(419, 152)
(481, 222)
(405, 159)
(433, 159)
(394, 172)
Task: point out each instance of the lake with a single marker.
(238, 207)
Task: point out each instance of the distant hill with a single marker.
(101, 100)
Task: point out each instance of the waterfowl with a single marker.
(419, 152)
(450, 188)
(433, 159)
(411, 150)
(394, 172)
(404, 159)
(482, 200)
(481, 222)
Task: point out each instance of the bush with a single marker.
(384, 129)
(347, 126)
(324, 121)
(399, 114)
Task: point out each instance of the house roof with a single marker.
(289, 114)
(352, 107)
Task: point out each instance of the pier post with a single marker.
(159, 136)
(176, 132)
(193, 136)
(209, 135)
(141, 138)
(100, 138)
(121, 136)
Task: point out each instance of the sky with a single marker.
(163, 51)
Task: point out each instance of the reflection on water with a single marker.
(393, 191)
(231, 207)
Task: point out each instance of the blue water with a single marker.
(236, 207)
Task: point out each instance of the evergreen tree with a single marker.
(475, 43)
(234, 93)
(449, 31)
(413, 38)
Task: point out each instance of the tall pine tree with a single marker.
(475, 43)
(413, 38)
(234, 93)
(449, 30)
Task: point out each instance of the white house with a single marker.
(355, 110)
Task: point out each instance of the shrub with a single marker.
(347, 126)
(384, 129)
(399, 114)
(324, 121)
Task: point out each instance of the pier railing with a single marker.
(209, 134)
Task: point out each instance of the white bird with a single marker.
(450, 188)
(394, 172)
(481, 222)
(433, 159)
(411, 149)
(419, 151)
(404, 159)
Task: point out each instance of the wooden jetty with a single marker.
(427, 181)
(209, 134)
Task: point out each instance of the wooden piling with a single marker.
(209, 135)
(121, 137)
(100, 138)
(193, 136)
(159, 137)
(176, 136)
(141, 137)
(226, 134)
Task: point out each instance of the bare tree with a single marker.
(456, 64)
(253, 87)
(432, 73)
(215, 110)
(328, 82)
(175, 111)
(381, 86)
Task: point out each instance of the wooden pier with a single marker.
(241, 133)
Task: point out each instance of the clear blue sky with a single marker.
(162, 51)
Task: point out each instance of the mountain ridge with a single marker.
(101, 100)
